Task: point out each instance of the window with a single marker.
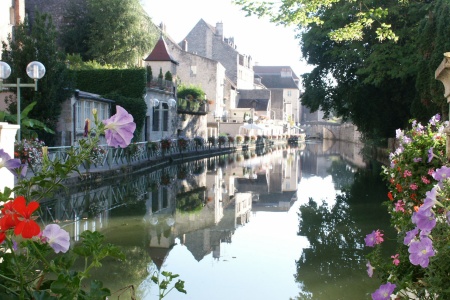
(83, 111)
(155, 121)
(193, 71)
(165, 117)
(289, 93)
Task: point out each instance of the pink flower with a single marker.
(119, 128)
(425, 180)
(379, 237)
(413, 186)
(399, 206)
(407, 173)
(395, 259)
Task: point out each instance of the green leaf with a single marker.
(43, 295)
(97, 290)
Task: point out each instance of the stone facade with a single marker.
(208, 41)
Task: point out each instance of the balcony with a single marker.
(192, 107)
(161, 84)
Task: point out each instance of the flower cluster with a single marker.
(166, 143)
(17, 217)
(29, 267)
(222, 139)
(419, 205)
(97, 155)
(29, 151)
(183, 142)
(239, 138)
(199, 141)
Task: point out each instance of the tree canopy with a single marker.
(376, 80)
(114, 32)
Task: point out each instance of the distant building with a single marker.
(284, 85)
(12, 13)
(208, 41)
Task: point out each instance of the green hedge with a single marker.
(126, 82)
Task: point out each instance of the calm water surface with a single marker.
(240, 226)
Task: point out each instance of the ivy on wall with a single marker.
(125, 82)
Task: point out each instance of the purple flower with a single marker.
(424, 219)
(7, 162)
(420, 252)
(430, 199)
(119, 128)
(57, 238)
(376, 237)
(441, 173)
(434, 119)
(369, 269)
(410, 235)
(384, 291)
(430, 154)
(417, 159)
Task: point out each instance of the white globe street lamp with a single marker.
(35, 70)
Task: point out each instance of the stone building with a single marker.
(284, 85)
(208, 41)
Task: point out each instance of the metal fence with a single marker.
(104, 157)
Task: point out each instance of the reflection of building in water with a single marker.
(207, 239)
(317, 158)
(273, 182)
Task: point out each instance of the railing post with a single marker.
(7, 138)
(442, 74)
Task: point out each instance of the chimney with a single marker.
(17, 18)
(185, 45)
(162, 26)
(219, 30)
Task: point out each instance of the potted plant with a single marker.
(239, 138)
(199, 141)
(222, 140)
(182, 143)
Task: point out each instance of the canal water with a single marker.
(288, 224)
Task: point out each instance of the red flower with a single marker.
(26, 226)
(9, 218)
(390, 196)
(399, 187)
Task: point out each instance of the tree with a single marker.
(38, 42)
(372, 84)
(127, 36)
(114, 32)
(305, 13)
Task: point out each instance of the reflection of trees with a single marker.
(334, 238)
(335, 263)
(120, 274)
(191, 201)
(342, 174)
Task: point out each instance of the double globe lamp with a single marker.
(35, 70)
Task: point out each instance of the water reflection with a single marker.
(230, 225)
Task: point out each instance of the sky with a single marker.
(266, 43)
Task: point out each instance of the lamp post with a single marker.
(35, 70)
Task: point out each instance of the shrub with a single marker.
(419, 190)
